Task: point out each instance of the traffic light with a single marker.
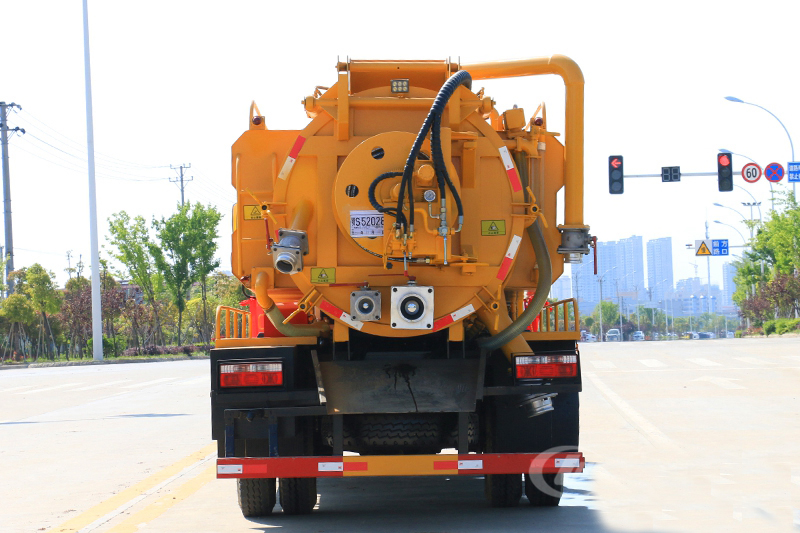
(615, 175)
(725, 171)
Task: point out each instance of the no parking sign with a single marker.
(774, 172)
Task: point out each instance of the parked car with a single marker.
(730, 334)
(613, 335)
(638, 336)
(588, 337)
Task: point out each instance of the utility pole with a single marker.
(180, 169)
(4, 129)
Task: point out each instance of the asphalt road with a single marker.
(679, 436)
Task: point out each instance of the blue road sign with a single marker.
(719, 247)
(794, 171)
(774, 172)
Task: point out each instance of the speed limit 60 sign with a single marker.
(751, 172)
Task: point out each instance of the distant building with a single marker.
(659, 269)
(131, 290)
(620, 269)
(728, 286)
(562, 288)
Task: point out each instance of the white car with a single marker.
(638, 336)
(613, 335)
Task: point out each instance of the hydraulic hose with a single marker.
(461, 77)
(539, 298)
(543, 284)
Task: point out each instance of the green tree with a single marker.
(203, 231)
(133, 249)
(17, 309)
(45, 298)
(174, 257)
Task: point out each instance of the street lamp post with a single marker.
(791, 144)
(744, 218)
(600, 280)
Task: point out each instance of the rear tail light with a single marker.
(251, 374)
(547, 366)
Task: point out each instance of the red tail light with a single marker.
(251, 374)
(547, 366)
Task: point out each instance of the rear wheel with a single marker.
(503, 490)
(298, 495)
(256, 496)
(544, 490)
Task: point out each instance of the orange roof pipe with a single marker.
(573, 134)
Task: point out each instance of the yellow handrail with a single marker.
(237, 323)
(555, 317)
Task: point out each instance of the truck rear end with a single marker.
(397, 254)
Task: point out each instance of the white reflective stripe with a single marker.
(357, 324)
(506, 157)
(330, 467)
(514, 246)
(286, 168)
(568, 463)
(461, 313)
(229, 469)
(470, 465)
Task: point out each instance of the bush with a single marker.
(769, 327)
(786, 325)
(152, 349)
(738, 334)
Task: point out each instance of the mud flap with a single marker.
(401, 386)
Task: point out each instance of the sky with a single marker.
(172, 83)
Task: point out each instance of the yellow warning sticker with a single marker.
(703, 250)
(493, 227)
(323, 275)
(251, 212)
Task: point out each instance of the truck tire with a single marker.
(386, 433)
(256, 496)
(298, 494)
(503, 490)
(545, 498)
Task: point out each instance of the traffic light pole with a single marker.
(682, 174)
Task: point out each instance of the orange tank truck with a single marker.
(398, 248)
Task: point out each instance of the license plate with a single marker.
(366, 224)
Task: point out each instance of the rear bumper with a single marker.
(400, 465)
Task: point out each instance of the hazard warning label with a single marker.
(493, 227)
(323, 275)
(252, 212)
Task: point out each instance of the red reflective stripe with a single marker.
(445, 465)
(505, 266)
(445, 321)
(254, 469)
(331, 309)
(356, 467)
(513, 177)
(298, 144)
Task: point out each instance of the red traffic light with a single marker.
(724, 160)
(616, 162)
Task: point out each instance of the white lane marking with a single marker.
(703, 362)
(753, 361)
(127, 505)
(652, 363)
(147, 383)
(12, 389)
(192, 381)
(644, 426)
(101, 385)
(725, 383)
(46, 389)
(603, 364)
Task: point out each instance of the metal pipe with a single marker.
(261, 290)
(573, 134)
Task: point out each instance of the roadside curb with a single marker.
(105, 362)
